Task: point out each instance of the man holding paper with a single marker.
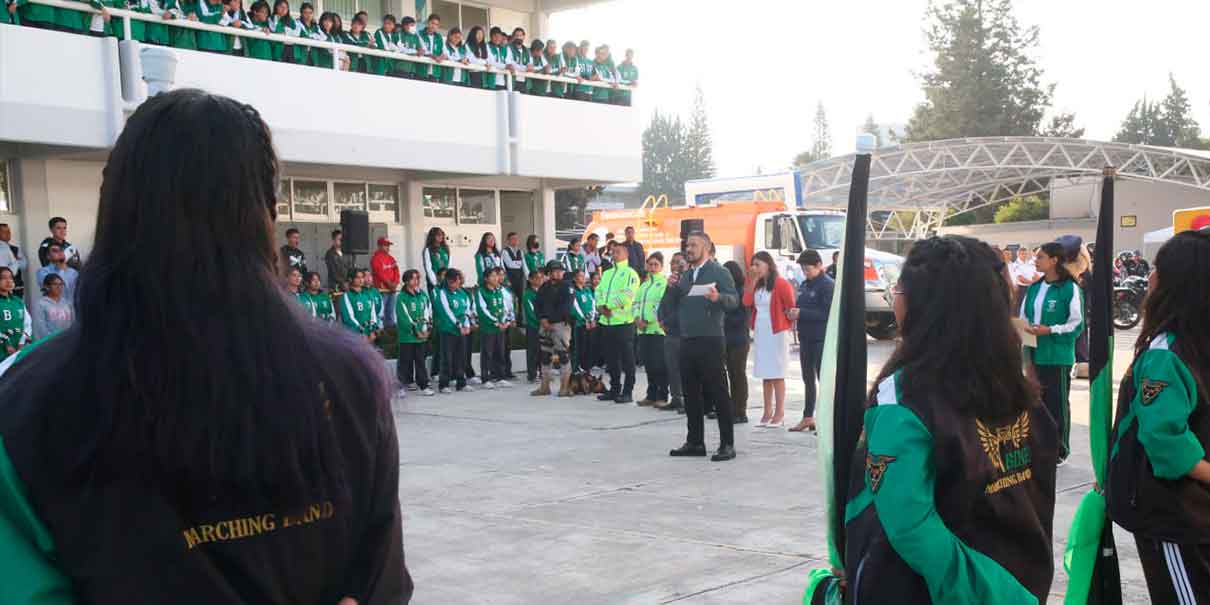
(702, 294)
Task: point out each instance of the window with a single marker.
(770, 244)
(310, 199)
(772, 194)
(439, 202)
(476, 207)
(349, 196)
(457, 14)
(384, 198)
(283, 199)
(6, 204)
(823, 232)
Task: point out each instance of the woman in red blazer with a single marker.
(772, 299)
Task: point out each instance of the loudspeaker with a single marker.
(356, 227)
(688, 226)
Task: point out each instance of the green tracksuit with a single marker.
(584, 306)
(537, 86)
(434, 44)
(211, 13)
(498, 57)
(573, 262)
(153, 33)
(452, 310)
(434, 261)
(554, 63)
(529, 313)
(585, 68)
(607, 75)
(322, 57)
(359, 311)
(390, 43)
(70, 20)
(15, 323)
(114, 28)
(489, 306)
(414, 314)
(1062, 308)
(285, 26)
(647, 303)
(455, 72)
(7, 18)
(181, 37)
(410, 44)
(358, 62)
(318, 305)
(535, 260)
(36, 13)
(618, 288)
(485, 262)
(260, 49)
(628, 74)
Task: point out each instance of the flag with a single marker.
(1091, 558)
(842, 390)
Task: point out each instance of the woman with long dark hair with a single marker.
(53, 313)
(1159, 480)
(953, 490)
(771, 300)
(737, 336)
(535, 259)
(203, 406)
(435, 257)
(476, 44)
(487, 256)
(1055, 311)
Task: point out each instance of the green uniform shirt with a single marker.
(483, 262)
(434, 261)
(211, 13)
(573, 262)
(286, 26)
(319, 305)
(628, 74)
(181, 37)
(528, 310)
(584, 306)
(456, 72)
(15, 323)
(73, 20)
(260, 49)
(498, 57)
(489, 306)
(320, 57)
(358, 311)
(584, 69)
(452, 310)
(647, 303)
(616, 292)
(390, 43)
(359, 62)
(410, 44)
(1062, 309)
(434, 44)
(35, 13)
(555, 66)
(155, 33)
(608, 75)
(535, 260)
(414, 314)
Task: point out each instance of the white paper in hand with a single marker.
(700, 289)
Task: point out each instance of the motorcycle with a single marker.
(1128, 294)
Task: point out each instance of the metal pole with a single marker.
(335, 57)
(126, 27)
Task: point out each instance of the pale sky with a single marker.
(764, 67)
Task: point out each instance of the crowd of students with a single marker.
(452, 51)
(52, 309)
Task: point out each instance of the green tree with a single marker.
(1182, 129)
(1144, 124)
(871, 127)
(821, 139)
(699, 145)
(1028, 208)
(571, 206)
(664, 161)
(1063, 126)
(983, 81)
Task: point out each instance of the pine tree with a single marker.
(1181, 128)
(664, 158)
(871, 127)
(1144, 124)
(1063, 126)
(821, 140)
(983, 81)
(699, 146)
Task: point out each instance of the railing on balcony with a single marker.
(335, 47)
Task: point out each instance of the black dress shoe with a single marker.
(681, 410)
(740, 420)
(692, 450)
(624, 398)
(607, 397)
(711, 415)
(725, 452)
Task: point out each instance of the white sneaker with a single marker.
(503, 384)
(403, 393)
(413, 387)
(447, 391)
(428, 392)
(489, 385)
(467, 389)
(474, 380)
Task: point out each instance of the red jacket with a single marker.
(384, 269)
(782, 301)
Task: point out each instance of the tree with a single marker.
(664, 162)
(1144, 124)
(699, 146)
(1028, 208)
(571, 206)
(871, 127)
(821, 140)
(983, 81)
(1181, 128)
(1063, 126)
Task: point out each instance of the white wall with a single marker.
(577, 140)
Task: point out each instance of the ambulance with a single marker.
(747, 215)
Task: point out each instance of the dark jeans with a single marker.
(533, 353)
(651, 348)
(737, 377)
(1056, 382)
(704, 380)
(508, 353)
(409, 367)
(491, 356)
(467, 366)
(453, 360)
(581, 344)
(617, 342)
(810, 355)
(672, 361)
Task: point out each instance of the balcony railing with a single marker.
(336, 47)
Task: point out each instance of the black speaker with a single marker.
(691, 225)
(356, 227)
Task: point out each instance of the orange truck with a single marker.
(747, 215)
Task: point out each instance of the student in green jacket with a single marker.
(953, 491)
(554, 65)
(487, 257)
(584, 72)
(308, 27)
(260, 49)
(358, 311)
(36, 15)
(322, 57)
(573, 261)
(282, 23)
(1054, 309)
(537, 61)
(15, 323)
(410, 45)
(519, 60)
(651, 334)
(386, 39)
(628, 75)
(529, 314)
(494, 323)
(452, 309)
(1159, 480)
(603, 73)
(434, 48)
(458, 55)
(435, 257)
(317, 302)
(9, 14)
(534, 257)
(414, 314)
(211, 12)
(584, 311)
(105, 25)
(358, 36)
(182, 37)
(498, 61)
(153, 33)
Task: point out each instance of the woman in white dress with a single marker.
(772, 299)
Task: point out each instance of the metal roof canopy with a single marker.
(934, 178)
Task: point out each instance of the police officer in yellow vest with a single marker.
(615, 300)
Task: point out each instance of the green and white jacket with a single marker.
(15, 323)
(359, 311)
(434, 261)
(452, 310)
(1061, 307)
(584, 306)
(414, 312)
(491, 309)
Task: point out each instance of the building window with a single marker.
(384, 198)
(476, 207)
(439, 202)
(347, 8)
(310, 199)
(459, 14)
(6, 204)
(283, 199)
(349, 196)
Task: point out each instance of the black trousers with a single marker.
(409, 367)
(533, 353)
(1175, 573)
(453, 360)
(651, 348)
(704, 382)
(581, 339)
(810, 356)
(1056, 384)
(617, 342)
(491, 356)
(467, 367)
(737, 377)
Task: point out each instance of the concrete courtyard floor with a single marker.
(509, 499)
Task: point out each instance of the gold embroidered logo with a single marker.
(1152, 389)
(254, 525)
(876, 466)
(1006, 447)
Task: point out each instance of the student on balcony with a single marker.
(476, 45)
(628, 75)
(235, 16)
(584, 71)
(181, 37)
(603, 72)
(211, 12)
(260, 49)
(498, 59)
(458, 53)
(322, 57)
(537, 60)
(434, 48)
(358, 36)
(410, 44)
(308, 27)
(387, 38)
(280, 22)
(519, 60)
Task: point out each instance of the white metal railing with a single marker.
(335, 47)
